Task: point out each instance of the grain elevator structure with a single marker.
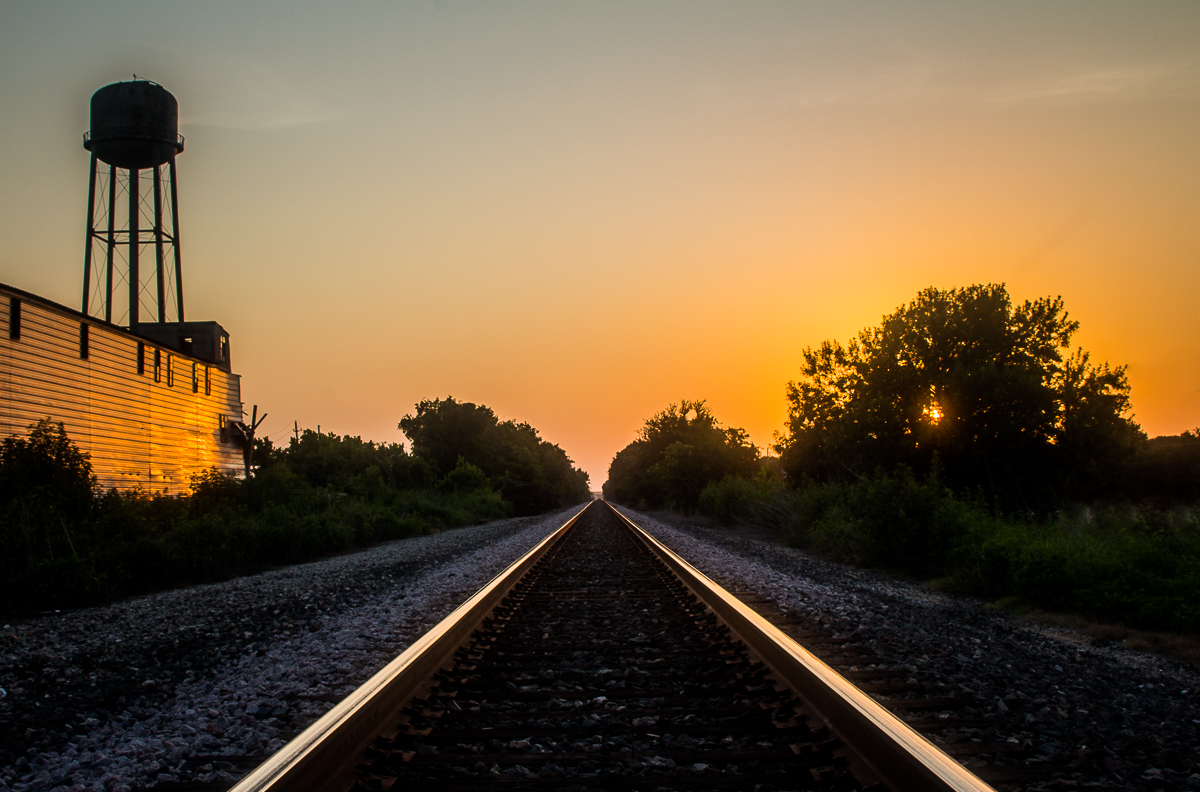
(150, 396)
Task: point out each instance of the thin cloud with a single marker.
(916, 82)
(909, 81)
(1102, 85)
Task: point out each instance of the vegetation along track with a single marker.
(601, 660)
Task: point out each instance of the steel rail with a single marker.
(322, 757)
(902, 758)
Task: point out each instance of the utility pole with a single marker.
(248, 436)
(296, 430)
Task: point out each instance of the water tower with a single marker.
(134, 139)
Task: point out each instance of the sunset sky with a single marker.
(577, 213)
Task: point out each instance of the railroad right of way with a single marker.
(602, 660)
(198, 685)
(600, 670)
(1104, 717)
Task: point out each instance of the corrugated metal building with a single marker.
(152, 407)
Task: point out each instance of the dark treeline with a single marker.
(963, 379)
(64, 543)
(676, 455)
(530, 473)
(961, 439)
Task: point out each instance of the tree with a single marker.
(969, 378)
(442, 430)
(678, 452)
(331, 461)
(48, 469)
(1166, 470)
(46, 488)
(530, 473)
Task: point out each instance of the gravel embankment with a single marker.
(199, 684)
(1117, 719)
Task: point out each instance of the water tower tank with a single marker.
(135, 125)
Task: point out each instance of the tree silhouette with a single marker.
(677, 454)
(532, 474)
(969, 378)
(47, 469)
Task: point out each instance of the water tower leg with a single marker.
(158, 246)
(91, 230)
(135, 281)
(175, 241)
(112, 241)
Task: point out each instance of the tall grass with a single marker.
(1120, 563)
(113, 545)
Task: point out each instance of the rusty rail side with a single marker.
(901, 757)
(322, 756)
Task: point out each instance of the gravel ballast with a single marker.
(200, 684)
(1111, 718)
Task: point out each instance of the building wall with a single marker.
(141, 433)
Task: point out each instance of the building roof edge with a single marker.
(81, 316)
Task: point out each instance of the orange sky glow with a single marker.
(578, 214)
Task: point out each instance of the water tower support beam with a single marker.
(91, 230)
(158, 245)
(175, 241)
(135, 281)
(112, 241)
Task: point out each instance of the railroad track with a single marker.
(601, 660)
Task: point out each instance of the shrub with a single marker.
(677, 454)
(890, 519)
(465, 477)
(730, 499)
(1136, 566)
(1133, 565)
(64, 545)
(763, 500)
